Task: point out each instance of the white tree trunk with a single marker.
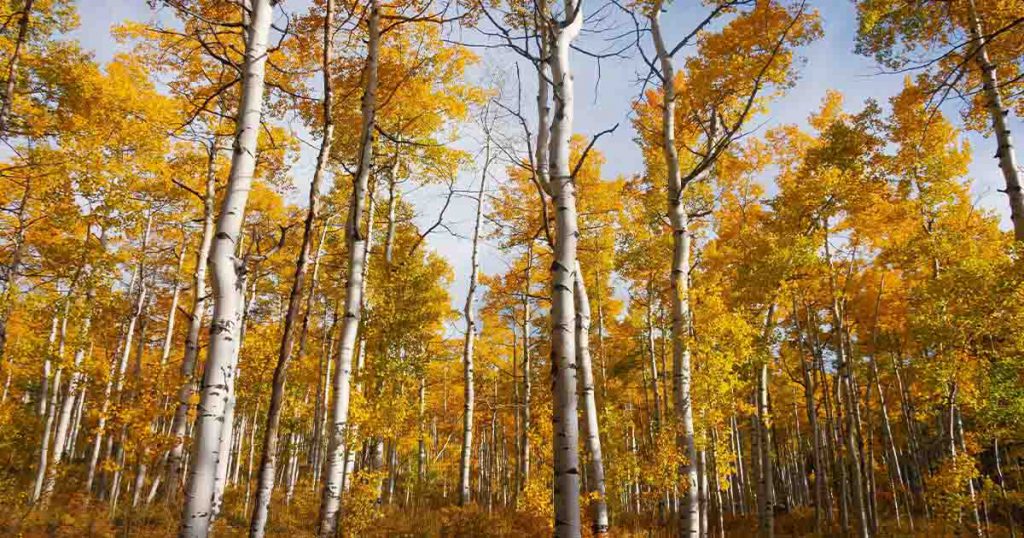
(330, 502)
(524, 449)
(562, 189)
(681, 371)
(998, 112)
(591, 429)
(226, 269)
(62, 441)
(195, 322)
(465, 461)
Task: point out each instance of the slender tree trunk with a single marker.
(591, 429)
(680, 281)
(562, 190)
(7, 99)
(807, 368)
(765, 496)
(956, 435)
(179, 424)
(524, 443)
(115, 386)
(61, 438)
(322, 381)
(892, 458)
(331, 499)
(1001, 482)
(227, 272)
(172, 310)
(9, 276)
(655, 376)
(469, 314)
(44, 443)
(268, 460)
(227, 433)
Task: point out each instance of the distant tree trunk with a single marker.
(179, 424)
(808, 368)
(765, 493)
(591, 429)
(61, 437)
(49, 411)
(1001, 482)
(602, 362)
(9, 276)
(524, 443)
(268, 460)
(320, 406)
(891, 455)
(655, 386)
(172, 310)
(12, 68)
(227, 272)
(115, 385)
(956, 434)
(562, 190)
(850, 436)
(998, 113)
(469, 314)
(335, 471)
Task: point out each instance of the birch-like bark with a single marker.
(956, 434)
(681, 373)
(179, 424)
(892, 458)
(50, 410)
(591, 429)
(656, 387)
(227, 272)
(320, 404)
(524, 443)
(228, 427)
(61, 440)
(562, 189)
(268, 460)
(997, 113)
(856, 486)
(172, 310)
(766, 509)
(115, 385)
(469, 314)
(330, 502)
(820, 500)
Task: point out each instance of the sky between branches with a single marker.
(828, 63)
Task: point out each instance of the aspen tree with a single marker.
(469, 314)
(330, 502)
(268, 461)
(226, 269)
(562, 189)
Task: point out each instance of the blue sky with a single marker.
(830, 63)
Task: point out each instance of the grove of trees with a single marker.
(225, 311)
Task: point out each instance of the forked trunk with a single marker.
(227, 272)
(562, 189)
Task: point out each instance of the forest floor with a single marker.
(76, 515)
